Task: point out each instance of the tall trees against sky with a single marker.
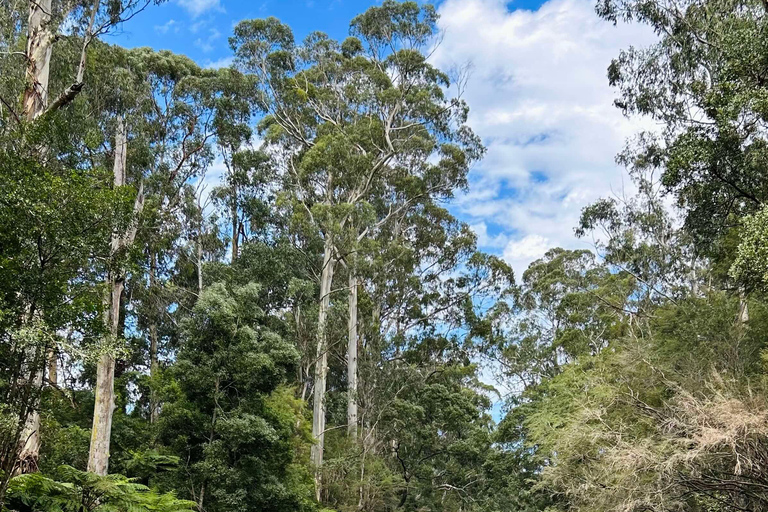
(357, 123)
(326, 269)
(363, 141)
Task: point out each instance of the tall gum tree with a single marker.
(46, 21)
(173, 99)
(345, 117)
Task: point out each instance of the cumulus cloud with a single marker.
(519, 253)
(541, 102)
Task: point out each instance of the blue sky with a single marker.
(538, 95)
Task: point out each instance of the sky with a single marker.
(538, 94)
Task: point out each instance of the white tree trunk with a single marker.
(154, 405)
(321, 365)
(104, 406)
(352, 358)
(743, 308)
(40, 38)
(35, 101)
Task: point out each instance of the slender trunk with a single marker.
(53, 366)
(199, 249)
(352, 357)
(39, 45)
(235, 225)
(104, 406)
(321, 364)
(154, 406)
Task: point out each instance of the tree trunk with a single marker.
(199, 249)
(30, 435)
(53, 366)
(35, 101)
(743, 308)
(154, 406)
(352, 358)
(104, 406)
(39, 45)
(321, 365)
(235, 225)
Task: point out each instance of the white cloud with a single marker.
(223, 62)
(197, 7)
(170, 25)
(484, 239)
(539, 98)
(519, 253)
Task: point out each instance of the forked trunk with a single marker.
(321, 365)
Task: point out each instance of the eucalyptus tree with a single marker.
(171, 114)
(703, 82)
(345, 117)
(46, 23)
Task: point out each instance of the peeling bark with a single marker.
(40, 39)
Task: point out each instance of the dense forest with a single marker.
(315, 330)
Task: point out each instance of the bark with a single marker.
(104, 406)
(321, 364)
(40, 37)
(29, 454)
(98, 457)
(235, 225)
(154, 406)
(53, 366)
(200, 262)
(352, 342)
(743, 308)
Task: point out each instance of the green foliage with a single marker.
(240, 437)
(79, 491)
(751, 264)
